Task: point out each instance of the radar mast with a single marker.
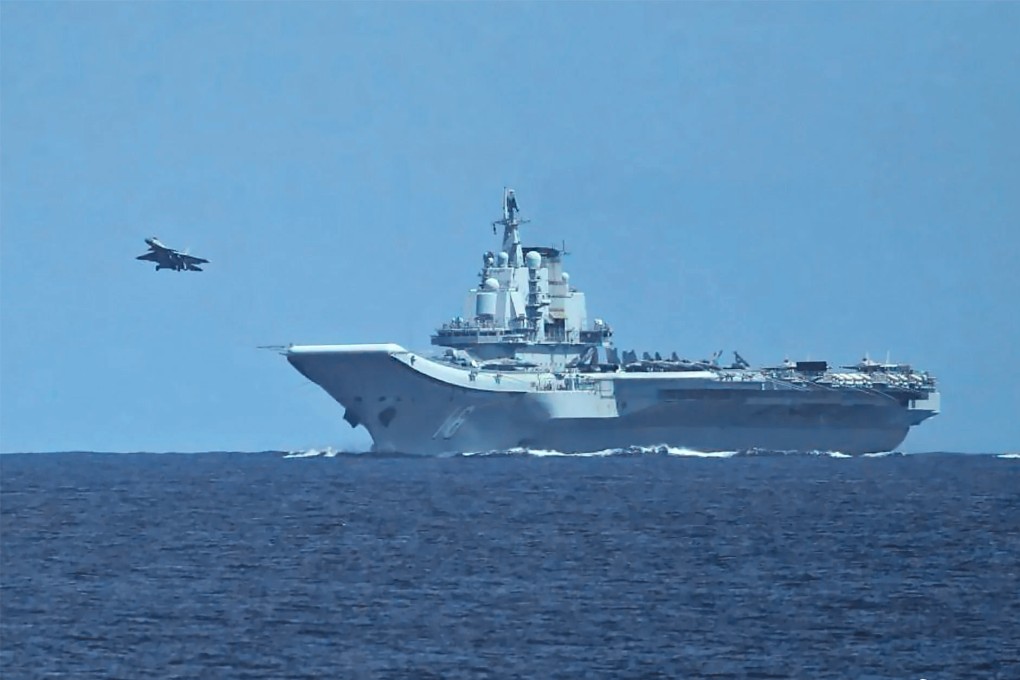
(510, 223)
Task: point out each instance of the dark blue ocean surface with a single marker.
(260, 566)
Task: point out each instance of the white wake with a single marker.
(604, 453)
(660, 450)
(327, 452)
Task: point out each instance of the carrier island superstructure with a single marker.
(523, 367)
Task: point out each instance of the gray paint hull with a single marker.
(412, 405)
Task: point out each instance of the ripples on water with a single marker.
(652, 563)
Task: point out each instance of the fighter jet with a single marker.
(168, 258)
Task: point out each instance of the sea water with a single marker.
(654, 563)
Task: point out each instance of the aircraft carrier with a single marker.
(524, 366)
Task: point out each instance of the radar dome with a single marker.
(566, 277)
(491, 284)
(533, 260)
(503, 259)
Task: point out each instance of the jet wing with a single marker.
(191, 259)
(151, 256)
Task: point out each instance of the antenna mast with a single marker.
(511, 222)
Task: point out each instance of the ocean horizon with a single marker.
(330, 451)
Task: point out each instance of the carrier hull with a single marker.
(411, 404)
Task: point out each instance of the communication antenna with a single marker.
(510, 223)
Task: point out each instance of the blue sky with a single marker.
(803, 180)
